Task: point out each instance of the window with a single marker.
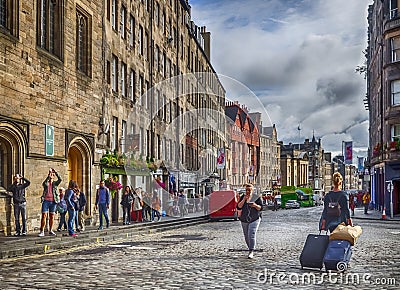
(114, 73)
(395, 89)
(123, 79)
(9, 16)
(49, 26)
(146, 92)
(83, 42)
(123, 136)
(114, 134)
(156, 53)
(156, 14)
(145, 46)
(132, 32)
(163, 22)
(395, 131)
(141, 142)
(141, 90)
(148, 142)
(114, 6)
(395, 47)
(132, 88)
(140, 38)
(393, 9)
(108, 72)
(122, 24)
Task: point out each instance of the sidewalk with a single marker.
(31, 244)
(374, 215)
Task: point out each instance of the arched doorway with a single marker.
(79, 169)
(12, 157)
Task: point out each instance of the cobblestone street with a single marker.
(212, 256)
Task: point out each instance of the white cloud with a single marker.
(299, 57)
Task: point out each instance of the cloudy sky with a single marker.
(299, 58)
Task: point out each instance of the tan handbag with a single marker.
(347, 233)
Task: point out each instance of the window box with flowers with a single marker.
(394, 145)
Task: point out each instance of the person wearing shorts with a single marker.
(50, 198)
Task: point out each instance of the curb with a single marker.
(15, 247)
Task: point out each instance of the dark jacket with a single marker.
(127, 199)
(333, 221)
(18, 191)
(250, 214)
(82, 201)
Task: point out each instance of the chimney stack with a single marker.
(207, 42)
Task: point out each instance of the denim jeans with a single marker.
(62, 221)
(250, 232)
(155, 212)
(103, 211)
(71, 218)
(127, 213)
(20, 209)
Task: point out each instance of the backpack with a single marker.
(333, 208)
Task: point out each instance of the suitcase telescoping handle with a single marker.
(326, 232)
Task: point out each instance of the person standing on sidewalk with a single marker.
(62, 210)
(251, 207)
(137, 205)
(182, 202)
(81, 210)
(69, 199)
(103, 199)
(50, 198)
(19, 201)
(366, 200)
(156, 206)
(126, 202)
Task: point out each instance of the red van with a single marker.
(223, 205)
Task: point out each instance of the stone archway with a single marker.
(12, 159)
(79, 168)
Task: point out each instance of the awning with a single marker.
(126, 171)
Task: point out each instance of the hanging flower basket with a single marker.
(113, 185)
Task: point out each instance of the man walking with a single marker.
(103, 203)
(19, 200)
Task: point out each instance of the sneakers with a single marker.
(17, 234)
(251, 255)
(41, 234)
(23, 234)
(73, 235)
(58, 230)
(52, 233)
(99, 228)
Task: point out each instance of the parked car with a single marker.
(291, 203)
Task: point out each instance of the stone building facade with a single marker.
(383, 102)
(269, 158)
(78, 77)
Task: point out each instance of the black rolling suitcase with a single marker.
(337, 255)
(313, 252)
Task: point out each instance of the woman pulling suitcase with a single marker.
(336, 206)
